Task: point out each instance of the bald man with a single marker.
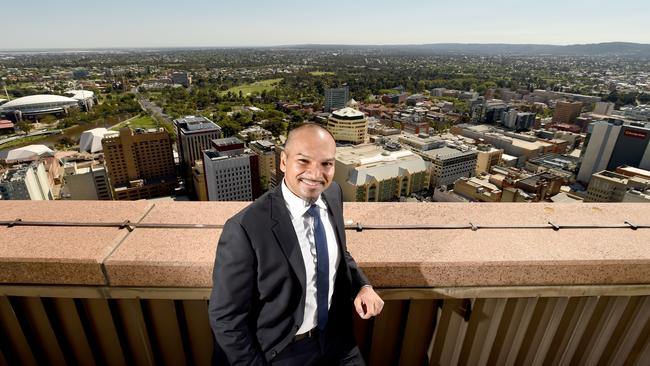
(284, 283)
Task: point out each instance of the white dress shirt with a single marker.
(303, 224)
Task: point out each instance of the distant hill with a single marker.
(594, 49)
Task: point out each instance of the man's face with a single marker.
(308, 163)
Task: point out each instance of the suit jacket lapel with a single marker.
(286, 235)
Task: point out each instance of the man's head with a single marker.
(308, 161)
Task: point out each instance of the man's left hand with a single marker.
(368, 303)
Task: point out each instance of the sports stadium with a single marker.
(34, 106)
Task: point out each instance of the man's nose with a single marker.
(315, 170)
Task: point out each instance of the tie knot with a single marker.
(313, 211)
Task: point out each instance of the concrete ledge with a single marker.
(62, 255)
(171, 257)
(164, 257)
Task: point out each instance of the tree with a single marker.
(275, 126)
(644, 98)
(25, 126)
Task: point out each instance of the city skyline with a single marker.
(72, 24)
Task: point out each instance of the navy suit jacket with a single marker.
(258, 295)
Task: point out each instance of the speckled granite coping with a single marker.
(390, 258)
(62, 255)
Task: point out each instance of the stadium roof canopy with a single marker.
(80, 94)
(38, 100)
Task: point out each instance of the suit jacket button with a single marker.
(274, 353)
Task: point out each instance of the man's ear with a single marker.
(283, 161)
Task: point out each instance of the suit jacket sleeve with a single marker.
(232, 297)
(358, 278)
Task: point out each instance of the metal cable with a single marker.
(359, 227)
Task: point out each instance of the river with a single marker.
(72, 132)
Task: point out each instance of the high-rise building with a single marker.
(604, 108)
(199, 183)
(195, 134)
(566, 112)
(141, 164)
(336, 98)
(610, 144)
(279, 174)
(231, 174)
(349, 126)
(85, 181)
(492, 110)
(487, 157)
(265, 150)
(449, 164)
(26, 182)
(607, 186)
(515, 120)
(368, 173)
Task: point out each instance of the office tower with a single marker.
(194, 134)
(610, 144)
(448, 164)
(336, 98)
(607, 186)
(231, 173)
(566, 112)
(26, 182)
(348, 126)
(85, 181)
(279, 174)
(265, 150)
(487, 157)
(141, 164)
(604, 108)
(199, 183)
(492, 110)
(368, 173)
(515, 120)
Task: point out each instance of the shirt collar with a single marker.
(296, 205)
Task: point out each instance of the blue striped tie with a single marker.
(322, 267)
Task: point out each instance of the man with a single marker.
(283, 279)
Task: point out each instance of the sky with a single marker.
(37, 24)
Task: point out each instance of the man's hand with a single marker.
(368, 303)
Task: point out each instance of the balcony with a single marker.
(464, 284)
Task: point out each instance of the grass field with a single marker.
(251, 88)
(321, 73)
(138, 122)
(21, 142)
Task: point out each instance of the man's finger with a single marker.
(358, 306)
